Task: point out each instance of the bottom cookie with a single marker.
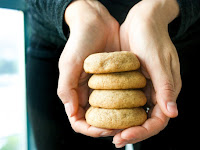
(115, 118)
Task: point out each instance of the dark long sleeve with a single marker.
(189, 15)
(48, 14)
(47, 18)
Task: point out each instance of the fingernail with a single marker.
(172, 108)
(106, 133)
(121, 145)
(68, 109)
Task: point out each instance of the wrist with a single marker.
(84, 13)
(162, 11)
(75, 12)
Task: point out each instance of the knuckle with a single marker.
(179, 85)
(169, 87)
(169, 91)
(61, 93)
(165, 123)
(75, 127)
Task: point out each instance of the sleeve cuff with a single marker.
(189, 14)
(62, 27)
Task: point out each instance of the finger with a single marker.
(151, 127)
(175, 65)
(70, 70)
(83, 90)
(163, 83)
(150, 93)
(80, 125)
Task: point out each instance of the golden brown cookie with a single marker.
(121, 80)
(111, 62)
(115, 118)
(117, 98)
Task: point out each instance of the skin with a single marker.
(148, 37)
(145, 33)
(98, 33)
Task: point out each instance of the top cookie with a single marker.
(111, 62)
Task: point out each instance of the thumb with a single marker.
(70, 70)
(165, 91)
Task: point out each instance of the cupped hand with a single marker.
(92, 30)
(145, 33)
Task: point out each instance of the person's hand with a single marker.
(92, 30)
(145, 33)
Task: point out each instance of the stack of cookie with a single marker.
(116, 101)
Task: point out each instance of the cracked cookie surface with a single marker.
(111, 62)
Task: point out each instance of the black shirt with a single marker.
(51, 32)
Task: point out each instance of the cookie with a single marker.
(115, 118)
(121, 80)
(116, 99)
(111, 62)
